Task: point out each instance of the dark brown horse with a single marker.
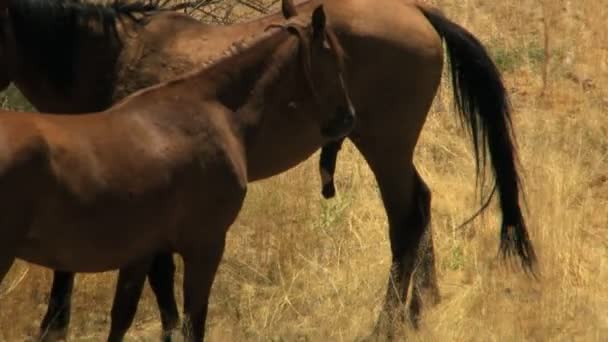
(393, 88)
(167, 168)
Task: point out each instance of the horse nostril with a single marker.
(341, 124)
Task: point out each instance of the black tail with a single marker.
(482, 103)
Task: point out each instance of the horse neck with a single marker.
(247, 81)
(68, 71)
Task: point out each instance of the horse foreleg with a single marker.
(6, 261)
(161, 278)
(129, 287)
(199, 272)
(55, 323)
(7, 257)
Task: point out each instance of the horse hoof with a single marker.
(54, 336)
(167, 336)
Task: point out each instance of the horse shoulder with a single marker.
(20, 141)
(228, 146)
(70, 156)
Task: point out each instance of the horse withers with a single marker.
(166, 168)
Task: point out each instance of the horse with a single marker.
(392, 96)
(167, 167)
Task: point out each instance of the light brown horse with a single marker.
(166, 168)
(394, 68)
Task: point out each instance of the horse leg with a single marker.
(128, 292)
(7, 254)
(55, 323)
(199, 272)
(425, 288)
(6, 262)
(406, 200)
(425, 278)
(327, 167)
(161, 278)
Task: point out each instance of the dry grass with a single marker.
(301, 268)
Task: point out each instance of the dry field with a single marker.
(300, 268)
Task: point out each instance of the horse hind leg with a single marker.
(424, 287)
(406, 200)
(414, 262)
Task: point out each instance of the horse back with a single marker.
(134, 151)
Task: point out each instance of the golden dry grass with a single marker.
(299, 268)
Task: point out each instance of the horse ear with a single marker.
(289, 9)
(318, 22)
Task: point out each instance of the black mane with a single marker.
(48, 32)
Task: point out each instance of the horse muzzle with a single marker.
(341, 125)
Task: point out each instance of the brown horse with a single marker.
(166, 168)
(393, 89)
